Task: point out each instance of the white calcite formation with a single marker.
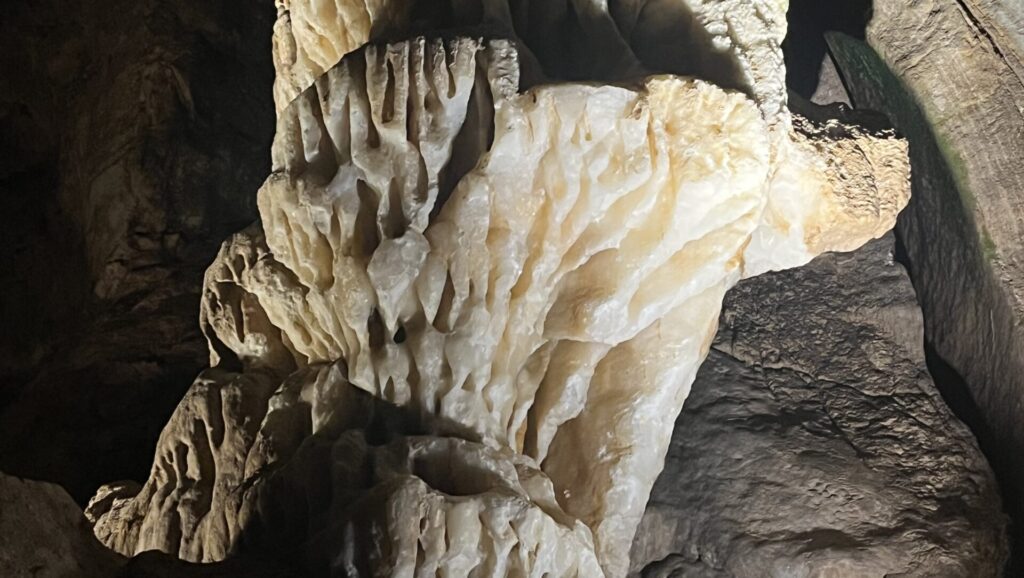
(458, 340)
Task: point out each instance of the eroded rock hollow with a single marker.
(491, 257)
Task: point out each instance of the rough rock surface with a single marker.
(44, 535)
(131, 146)
(950, 76)
(532, 277)
(814, 442)
(406, 355)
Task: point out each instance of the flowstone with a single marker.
(458, 339)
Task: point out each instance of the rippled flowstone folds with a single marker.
(458, 339)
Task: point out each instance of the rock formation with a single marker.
(45, 534)
(461, 333)
(815, 402)
(814, 442)
(951, 76)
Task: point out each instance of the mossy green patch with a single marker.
(958, 170)
(988, 246)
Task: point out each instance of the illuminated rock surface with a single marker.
(475, 311)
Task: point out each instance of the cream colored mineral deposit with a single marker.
(458, 339)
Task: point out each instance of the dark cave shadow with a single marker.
(87, 381)
(805, 48)
(661, 48)
(957, 395)
(563, 40)
(289, 528)
(156, 564)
